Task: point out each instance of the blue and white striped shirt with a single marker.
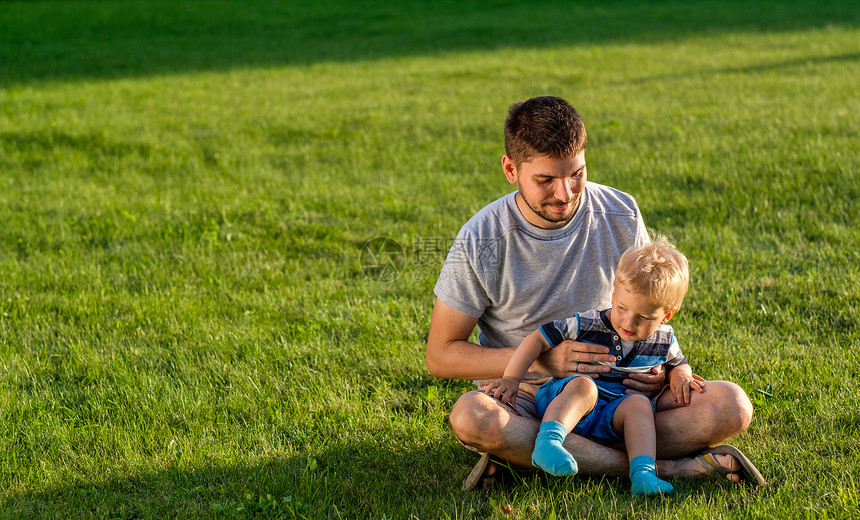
(593, 326)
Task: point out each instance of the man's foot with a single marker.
(549, 454)
(730, 462)
(722, 461)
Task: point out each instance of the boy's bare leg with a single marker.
(635, 418)
(575, 400)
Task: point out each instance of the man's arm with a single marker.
(451, 355)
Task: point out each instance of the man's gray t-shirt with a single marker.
(514, 276)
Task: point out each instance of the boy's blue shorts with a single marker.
(597, 424)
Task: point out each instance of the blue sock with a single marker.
(643, 477)
(549, 455)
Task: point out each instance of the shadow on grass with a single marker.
(779, 67)
(65, 39)
(363, 481)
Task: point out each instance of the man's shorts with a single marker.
(597, 424)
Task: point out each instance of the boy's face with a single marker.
(550, 188)
(634, 316)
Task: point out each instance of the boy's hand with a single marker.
(682, 385)
(504, 389)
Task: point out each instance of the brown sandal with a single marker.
(477, 476)
(747, 472)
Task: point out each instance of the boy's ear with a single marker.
(668, 316)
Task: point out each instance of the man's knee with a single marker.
(729, 406)
(477, 420)
(741, 408)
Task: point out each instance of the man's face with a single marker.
(634, 316)
(550, 189)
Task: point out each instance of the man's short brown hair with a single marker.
(545, 125)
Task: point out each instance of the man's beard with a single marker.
(553, 216)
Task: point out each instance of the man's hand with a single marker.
(647, 383)
(574, 357)
(504, 389)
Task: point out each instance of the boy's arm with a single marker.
(532, 346)
(506, 388)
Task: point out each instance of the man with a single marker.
(539, 254)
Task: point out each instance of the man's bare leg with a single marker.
(721, 412)
(486, 424)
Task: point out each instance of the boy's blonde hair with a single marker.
(656, 270)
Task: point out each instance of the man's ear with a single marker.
(668, 316)
(509, 168)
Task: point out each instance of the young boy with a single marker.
(649, 286)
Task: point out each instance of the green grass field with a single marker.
(189, 328)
